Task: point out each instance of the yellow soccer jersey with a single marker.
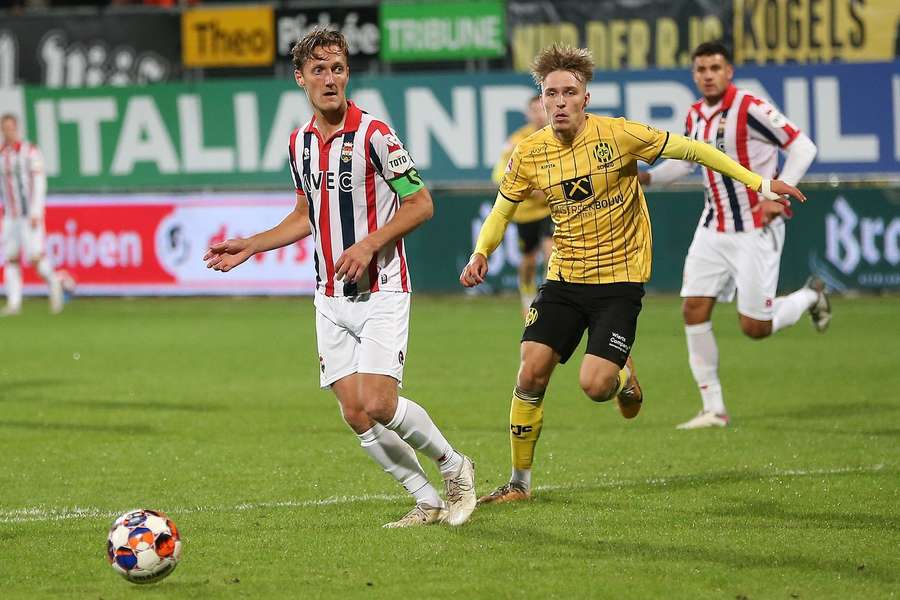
(602, 232)
(532, 208)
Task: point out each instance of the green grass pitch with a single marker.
(209, 409)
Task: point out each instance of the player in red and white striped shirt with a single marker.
(358, 194)
(738, 242)
(23, 186)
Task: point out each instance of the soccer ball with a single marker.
(143, 546)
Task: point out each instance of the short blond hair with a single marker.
(318, 38)
(562, 57)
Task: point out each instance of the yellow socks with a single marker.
(526, 415)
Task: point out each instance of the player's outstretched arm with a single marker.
(226, 255)
(684, 148)
(415, 209)
(489, 238)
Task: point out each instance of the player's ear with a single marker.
(298, 77)
(587, 100)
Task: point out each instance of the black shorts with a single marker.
(532, 232)
(609, 311)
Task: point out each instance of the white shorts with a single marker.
(19, 235)
(718, 264)
(362, 334)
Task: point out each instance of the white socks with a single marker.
(12, 273)
(419, 431)
(522, 477)
(789, 309)
(399, 461)
(46, 271)
(703, 355)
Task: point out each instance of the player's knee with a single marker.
(379, 408)
(357, 418)
(694, 311)
(599, 388)
(532, 378)
(756, 330)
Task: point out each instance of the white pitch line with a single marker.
(36, 514)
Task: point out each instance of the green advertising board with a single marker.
(412, 31)
(849, 237)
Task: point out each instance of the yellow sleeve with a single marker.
(515, 184)
(704, 154)
(643, 141)
(494, 226)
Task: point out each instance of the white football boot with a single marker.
(705, 419)
(9, 311)
(421, 514)
(820, 311)
(460, 489)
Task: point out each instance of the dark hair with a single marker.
(711, 49)
(562, 57)
(320, 37)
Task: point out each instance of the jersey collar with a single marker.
(16, 146)
(723, 104)
(351, 123)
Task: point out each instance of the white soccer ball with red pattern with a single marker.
(143, 546)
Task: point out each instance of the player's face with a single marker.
(713, 75)
(10, 131)
(324, 77)
(565, 98)
(537, 117)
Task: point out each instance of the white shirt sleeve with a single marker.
(670, 170)
(39, 183)
(393, 157)
(800, 154)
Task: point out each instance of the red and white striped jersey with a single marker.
(344, 180)
(750, 131)
(23, 182)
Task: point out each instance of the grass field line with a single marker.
(36, 514)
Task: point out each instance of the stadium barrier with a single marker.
(153, 244)
(233, 134)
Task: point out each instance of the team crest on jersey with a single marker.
(578, 189)
(603, 152)
(347, 152)
(531, 317)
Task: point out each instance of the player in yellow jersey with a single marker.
(532, 218)
(586, 166)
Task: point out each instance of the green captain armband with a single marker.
(407, 184)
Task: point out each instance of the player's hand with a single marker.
(769, 209)
(226, 255)
(354, 261)
(34, 221)
(475, 271)
(782, 189)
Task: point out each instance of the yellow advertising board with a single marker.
(815, 31)
(228, 37)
